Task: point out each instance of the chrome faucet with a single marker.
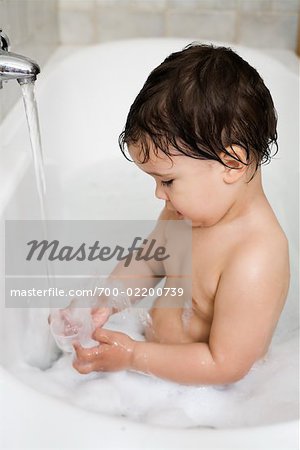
(14, 66)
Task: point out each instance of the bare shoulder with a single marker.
(267, 243)
(262, 256)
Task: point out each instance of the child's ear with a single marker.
(235, 169)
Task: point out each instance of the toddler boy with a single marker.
(201, 126)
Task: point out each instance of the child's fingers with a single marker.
(84, 369)
(78, 349)
(95, 309)
(100, 316)
(103, 336)
(86, 354)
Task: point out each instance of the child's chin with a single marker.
(193, 223)
(188, 220)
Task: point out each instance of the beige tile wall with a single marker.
(32, 26)
(257, 23)
(36, 27)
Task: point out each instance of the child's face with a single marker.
(197, 190)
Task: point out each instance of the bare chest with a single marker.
(199, 261)
(197, 270)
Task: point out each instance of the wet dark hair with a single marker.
(199, 101)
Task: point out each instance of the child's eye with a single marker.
(167, 183)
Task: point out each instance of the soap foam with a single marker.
(266, 395)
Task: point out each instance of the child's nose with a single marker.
(160, 192)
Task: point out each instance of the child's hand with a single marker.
(114, 353)
(100, 315)
(101, 311)
(64, 312)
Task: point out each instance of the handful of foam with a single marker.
(72, 325)
(75, 323)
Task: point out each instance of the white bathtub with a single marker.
(83, 97)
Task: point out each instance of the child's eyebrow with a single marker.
(158, 174)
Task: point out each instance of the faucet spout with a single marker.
(14, 66)
(17, 67)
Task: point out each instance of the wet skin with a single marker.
(236, 299)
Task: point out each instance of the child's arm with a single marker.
(140, 274)
(248, 303)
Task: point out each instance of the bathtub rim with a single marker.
(277, 436)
